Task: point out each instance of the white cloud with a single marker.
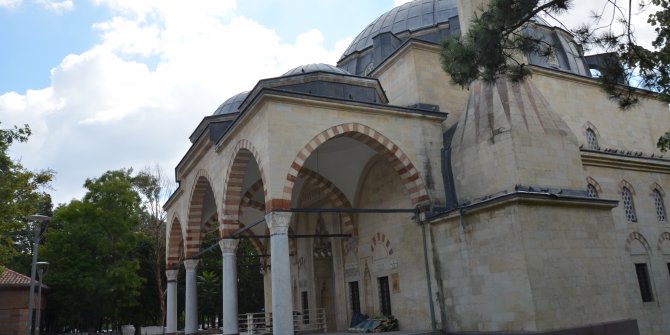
(133, 99)
(10, 3)
(56, 6)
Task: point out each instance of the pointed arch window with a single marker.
(591, 191)
(628, 205)
(591, 139)
(660, 206)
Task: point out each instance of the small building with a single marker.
(14, 289)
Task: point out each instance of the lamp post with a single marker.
(42, 268)
(37, 219)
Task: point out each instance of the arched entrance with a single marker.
(345, 164)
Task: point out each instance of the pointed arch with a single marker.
(664, 243)
(333, 194)
(405, 169)
(247, 199)
(175, 245)
(243, 153)
(195, 211)
(637, 237)
(593, 188)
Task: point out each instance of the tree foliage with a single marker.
(495, 44)
(92, 250)
(21, 192)
(490, 48)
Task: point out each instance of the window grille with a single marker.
(591, 139)
(660, 207)
(591, 191)
(628, 205)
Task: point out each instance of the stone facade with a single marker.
(505, 207)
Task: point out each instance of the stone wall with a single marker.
(529, 267)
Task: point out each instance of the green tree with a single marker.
(21, 192)
(209, 295)
(492, 46)
(250, 283)
(91, 247)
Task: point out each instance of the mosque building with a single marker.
(378, 187)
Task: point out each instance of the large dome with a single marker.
(426, 20)
(434, 20)
(232, 104)
(409, 17)
(316, 67)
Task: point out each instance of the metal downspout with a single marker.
(420, 219)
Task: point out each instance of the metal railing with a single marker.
(305, 321)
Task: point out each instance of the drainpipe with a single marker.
(420, 219)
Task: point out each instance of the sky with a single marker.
(110, 84)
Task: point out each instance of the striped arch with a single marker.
(175, 246)
(194, 227)
(325, 186)
(243, 153)
(247, 199)
(333, 194)
(408, 173)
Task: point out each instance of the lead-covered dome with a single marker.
(427, 20)
(409, 17)
(315, 67)
(231, 105)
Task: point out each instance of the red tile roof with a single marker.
(11, 277)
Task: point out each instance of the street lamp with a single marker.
(37, 219)
(42, 268)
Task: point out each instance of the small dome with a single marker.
(316, 67)
(232, 104)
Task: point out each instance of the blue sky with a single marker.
(109, 84)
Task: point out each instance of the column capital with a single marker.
(191, 264)
(171, 274)
(228, 245)
(278, 222)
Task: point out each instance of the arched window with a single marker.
(591, 191)
(660, 206)
(591, 139)
(628, 206)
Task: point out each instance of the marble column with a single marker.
(171, 316)
(282, 304)
(191, 307)
(229, 282)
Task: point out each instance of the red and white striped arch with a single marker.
(334, 195)
(174, 246)
(194, 225)
(408, 173)
(243, 153)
